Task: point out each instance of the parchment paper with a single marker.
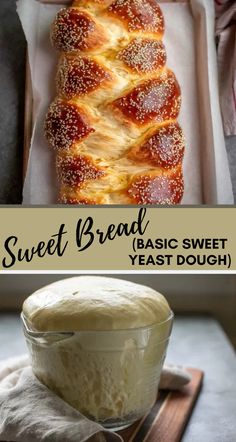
(189, 41)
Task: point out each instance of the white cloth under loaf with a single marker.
(30, 412)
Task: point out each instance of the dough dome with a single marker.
(94, 303)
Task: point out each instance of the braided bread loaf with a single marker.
(113, 124)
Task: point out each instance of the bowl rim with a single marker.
(36, 333)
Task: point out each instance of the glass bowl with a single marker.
(109, 376)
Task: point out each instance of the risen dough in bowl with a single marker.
(94, 303)
(108, 363)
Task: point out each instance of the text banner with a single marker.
(118, 238)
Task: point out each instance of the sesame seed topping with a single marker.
(165, 148)
(153, 100)
(162, 189)
(144, 55)
(79, 76)
(139, 15)
(66, 124)
(74, 170)
(72, 30)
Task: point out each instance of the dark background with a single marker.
(12, 85)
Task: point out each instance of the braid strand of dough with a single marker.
(113, 123)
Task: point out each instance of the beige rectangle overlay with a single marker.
(139, 237)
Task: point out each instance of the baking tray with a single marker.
(213, 183)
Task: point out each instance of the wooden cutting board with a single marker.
(169, 416)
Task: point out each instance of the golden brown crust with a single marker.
(165, 187)
(113, 124)
(79, 75)
(75, 170)
(66, 123)
(163, 147)
(76, 30)
(139, 15)
(144, 55)
(153, 101)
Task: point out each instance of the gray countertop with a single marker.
(196, 342)
(12, 74)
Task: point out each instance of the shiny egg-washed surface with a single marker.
(113, 123)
